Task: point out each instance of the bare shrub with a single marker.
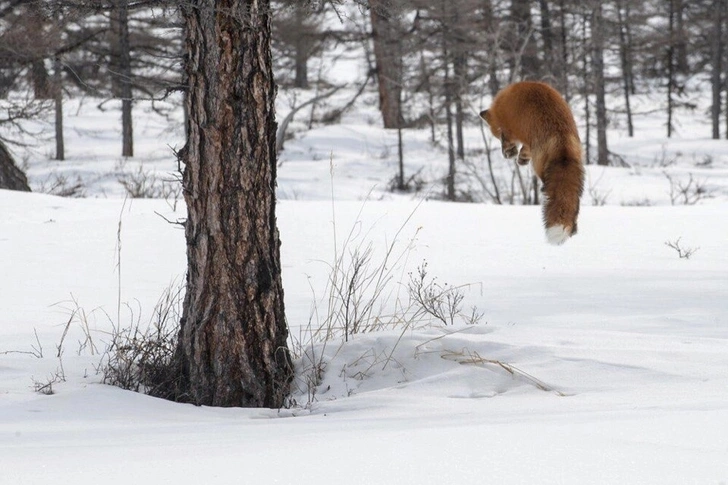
(664, 160)
(145, 184)
(518, 186)
(637, 203)
(683, 253)
(60, 185)
(46, 386)
(78, 315)
(171, 192)
(140, 184)
(688, 192)
(364, 294)
(414, 183)
(598, 198)
(141, 357)
(35, 350)
(440, 301)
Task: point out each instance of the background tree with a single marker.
(296, 37)
(11, 177)
(626, 59)
(120, 67)
(232, 344)
(387, 39)
(523, 60)
(598, 44)
(718, 11)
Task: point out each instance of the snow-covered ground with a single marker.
(601, 361)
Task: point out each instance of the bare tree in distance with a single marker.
(297, 36)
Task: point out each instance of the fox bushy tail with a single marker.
(563, 184)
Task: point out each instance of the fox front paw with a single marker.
(510, 151)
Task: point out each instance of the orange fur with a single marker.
(535, 115)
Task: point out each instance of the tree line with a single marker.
(429, 59)
(432, 61)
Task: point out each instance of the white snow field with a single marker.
(602, 361)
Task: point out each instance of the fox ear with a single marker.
(484, 115)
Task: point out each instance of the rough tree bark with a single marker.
(564, 58)
(120, 67)
(524, 44)
(41, 80)
(232, 348)
(681, 40)
(11, 177)
(490, 27)
(597, 26)
(388, 54)
(717, 68)
(303, 47)
(670, 61)
(459, 48)
(586, 91)
(448, 91)
(626, 61)
(42, 88)
(58, 107)
(552, 66)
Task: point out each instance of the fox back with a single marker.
(535, 115)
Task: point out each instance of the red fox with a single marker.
(535, 115)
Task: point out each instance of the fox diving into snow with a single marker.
(534, 115)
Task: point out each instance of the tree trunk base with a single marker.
(11, 177)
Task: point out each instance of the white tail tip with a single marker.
(557, 234)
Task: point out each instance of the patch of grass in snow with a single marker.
(369, 289)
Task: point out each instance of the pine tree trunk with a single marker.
(41, 80)
(717, 68)
(564, 52)
(127, 132)
(58, 105)
(524, 42)
(121, 73)
(626, 60)
(302, 49)
(459, 71)
(551, 64)
(387, 52)
(681, 50)
(585, 93)
(597, 25)
(301, 80)
(232, 349)
(670, 66)
(42, 89)
(490, 28)
(449, 95)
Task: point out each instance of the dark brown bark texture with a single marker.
(388, 54)
(597, 25)
(232, 349)
(123, 77)
(524, 44)
(717, 68)
(11, 177)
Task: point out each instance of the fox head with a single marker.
(488, 118)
